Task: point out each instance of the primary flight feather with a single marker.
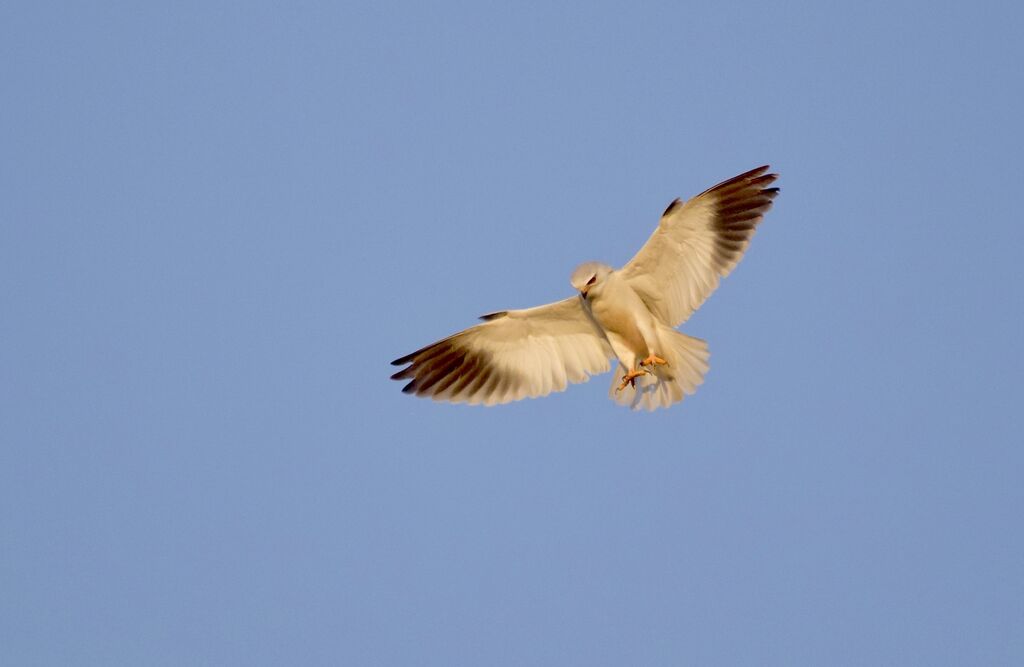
(629, 315)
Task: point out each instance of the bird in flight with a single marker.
(626, 314)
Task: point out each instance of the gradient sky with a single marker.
(220, 221)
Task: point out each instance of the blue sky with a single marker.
(220, 221)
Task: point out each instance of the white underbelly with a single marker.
(621, 328)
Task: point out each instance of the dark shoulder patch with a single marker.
(493, 316)
(673, 206)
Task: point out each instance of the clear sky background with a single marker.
(220, 221)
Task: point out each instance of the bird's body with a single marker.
(627, 314)
(621, 315)
(637, 339)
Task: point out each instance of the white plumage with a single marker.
(628, 314)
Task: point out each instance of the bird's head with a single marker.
(589, 276)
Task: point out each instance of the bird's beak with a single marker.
(583, 292)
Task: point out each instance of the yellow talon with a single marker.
(653, 360)
(630, 378)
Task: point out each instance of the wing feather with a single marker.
(512, 355)
(697, 243)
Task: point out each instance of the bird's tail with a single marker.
(687, 359)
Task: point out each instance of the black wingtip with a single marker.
(756, 172)
(676, 203)
(404, 360)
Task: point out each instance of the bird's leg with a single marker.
(653, 360)
(630, 378)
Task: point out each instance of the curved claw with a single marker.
(630, 378)
(653, 360)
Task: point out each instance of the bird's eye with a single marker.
(592, 280)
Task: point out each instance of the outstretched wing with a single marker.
(514, 354)
(697, 243)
